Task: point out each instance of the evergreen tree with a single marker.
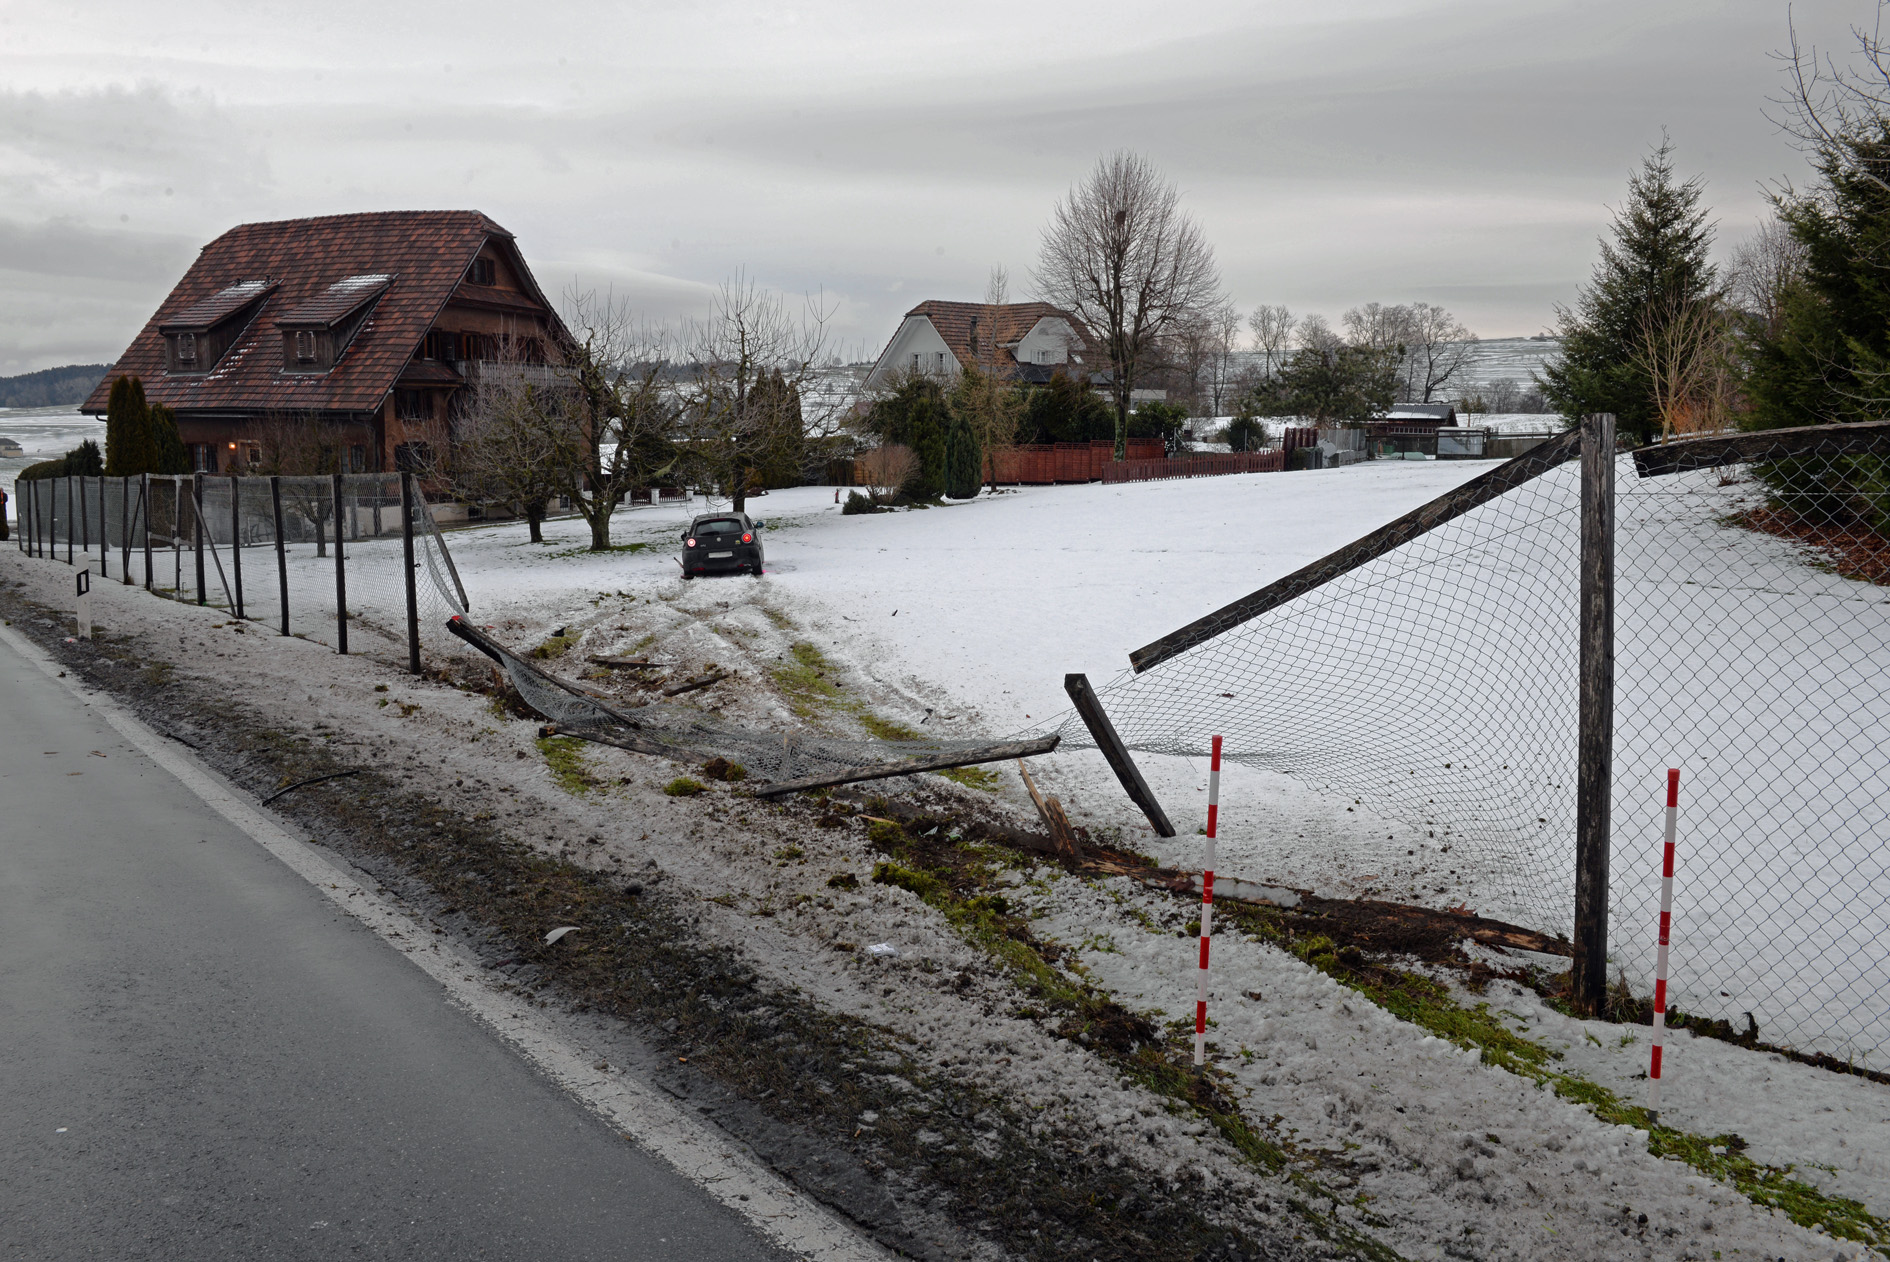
(1829, 358)
(915, 415)
(964, 460)
(1066, 411)
(1330, 385)
(169, 454)
(130, 448)
(1655, 269)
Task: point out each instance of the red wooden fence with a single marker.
(1210, 466)
(1039, 463)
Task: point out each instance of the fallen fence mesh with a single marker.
(1430, 673)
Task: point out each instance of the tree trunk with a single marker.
(739, 495)
(600, 525)
(321, 538)
(535, 521)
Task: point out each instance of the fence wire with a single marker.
(265, 549)
(1437, 684)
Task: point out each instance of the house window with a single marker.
(357, 459)
(186, 348)
(304, 346)
(1043, 357)
(412, 405)
(916, 360)
(941, 361)
(203, 457)
(413, 457)
(483, 272)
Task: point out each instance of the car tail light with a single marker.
(689, 543)
(749, 538)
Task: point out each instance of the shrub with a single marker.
(684, 787)
(724, 770)
(856, 504)
(843, 881)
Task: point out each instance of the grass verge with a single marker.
(1428, 1004)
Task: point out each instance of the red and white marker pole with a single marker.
(1666, 933)
(1207, 905)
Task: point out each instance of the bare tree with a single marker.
(1224, 323)
(887, 468)
(751, 363)
(507, 443)
(1439, 350)
(1763, 267)
(613, 424)
(1686, 349)
(1837, 112)
(1314, 334)
(1378, 327)
(305, 450)
(1273, 328)
(1120, 254)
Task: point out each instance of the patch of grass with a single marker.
(804, 682)
(1428, 1004)
(780, 620)
(557, 646)
(684, 787)
(724, 770)
(570, 770)
(843, 881)
(982, 778)
(886, 729)
(588, 551)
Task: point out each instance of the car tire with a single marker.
(687, 576)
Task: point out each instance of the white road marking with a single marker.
(636, 1109)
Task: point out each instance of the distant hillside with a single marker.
(51, 387)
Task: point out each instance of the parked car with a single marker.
(722, 543)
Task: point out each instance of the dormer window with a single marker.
(483, 272)
(187, 349)
(304, 346)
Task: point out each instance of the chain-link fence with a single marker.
(352, 561)
(1432, 671)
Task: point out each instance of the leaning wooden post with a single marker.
(282, 555)
(72, 533)
(196, 533)
(1594, 779)
(341, 579)
(1089, 706)
(406, 549)
(236, 543)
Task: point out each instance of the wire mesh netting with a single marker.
(263, 548)
(1437, 683)
(686, 734)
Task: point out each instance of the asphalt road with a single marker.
(200, 1057)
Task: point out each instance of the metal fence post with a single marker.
(341, 579)
(1594, 785)
(144, 515)
(82, 518)
(71, 534)
(282, 556)
(196, 532)
(104, 533)
(236, 542)
(124, 529)
(406, 550)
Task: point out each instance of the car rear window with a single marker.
(719, 526)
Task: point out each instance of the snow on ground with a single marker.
(974, 612)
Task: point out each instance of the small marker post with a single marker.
(83, 604)
(1666, 933)
(1207, 905)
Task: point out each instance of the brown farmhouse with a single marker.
(367, 324)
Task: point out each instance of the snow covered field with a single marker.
(974, 612)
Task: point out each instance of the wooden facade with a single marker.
(367, 326)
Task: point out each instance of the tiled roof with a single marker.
(426, 253)
(1012, 321)
(338, 300)
(206, 312)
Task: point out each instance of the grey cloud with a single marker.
(68, 247)
(140, 140)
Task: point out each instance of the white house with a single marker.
(1025, 341)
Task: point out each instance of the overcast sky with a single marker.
(1462, 152)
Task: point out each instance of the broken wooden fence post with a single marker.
(1062, 836)
(1089, 706)
(1588, 980)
